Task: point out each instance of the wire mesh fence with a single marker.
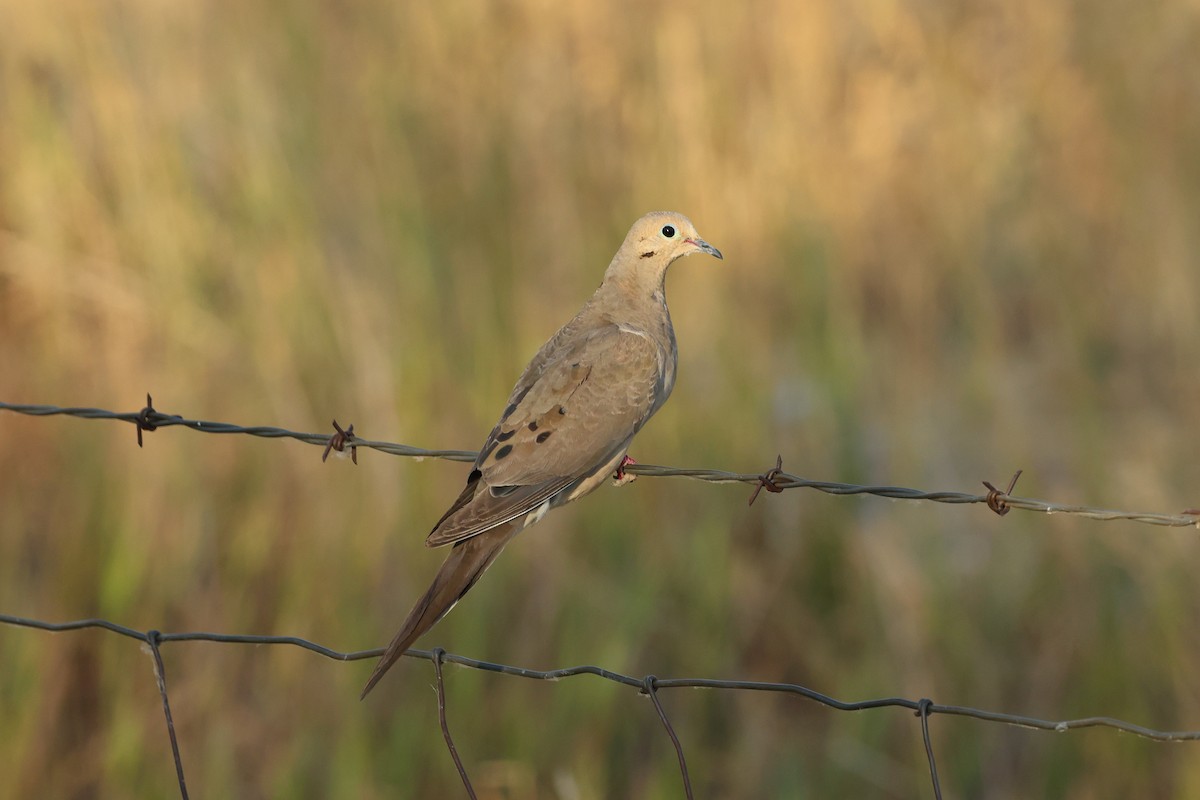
(774, 479)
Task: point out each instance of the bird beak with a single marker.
(704, 247)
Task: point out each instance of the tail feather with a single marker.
(464, 565)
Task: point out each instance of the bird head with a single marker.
(666, 235)
(654, 241)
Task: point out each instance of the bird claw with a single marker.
(621, 477)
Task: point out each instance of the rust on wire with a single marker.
(338, 442)
(997, 500)
(767, 480)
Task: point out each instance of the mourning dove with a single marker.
(569, 419)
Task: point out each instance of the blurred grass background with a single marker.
(960, 238)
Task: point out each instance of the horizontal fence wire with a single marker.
(773, 480)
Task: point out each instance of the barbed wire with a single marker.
(773, 480)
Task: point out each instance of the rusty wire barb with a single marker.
(650, 685)
(997, 500)
(767, 480)
(777, 478)
(338, 442)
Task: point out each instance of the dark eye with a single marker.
(668, 231)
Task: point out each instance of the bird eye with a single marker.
(668, 231)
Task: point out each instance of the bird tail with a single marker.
(464, 565)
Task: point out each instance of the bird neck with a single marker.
(637, 282)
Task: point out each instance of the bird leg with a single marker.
(620, 477)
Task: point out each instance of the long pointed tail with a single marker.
(462, 568)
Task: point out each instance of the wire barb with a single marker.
(143, 419)
(338, 442)
(997, 500)
(767, 480)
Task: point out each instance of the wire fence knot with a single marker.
(924, 709)
(649, 687)
(143, 419)
(338, 442)
(767, 480)
(997, 500)
(149, 418)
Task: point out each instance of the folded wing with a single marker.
(574, 410)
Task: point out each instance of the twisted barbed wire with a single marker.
(774, 480)
(148, 419)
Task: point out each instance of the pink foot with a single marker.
(620, 477)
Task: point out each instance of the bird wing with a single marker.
(574, 410)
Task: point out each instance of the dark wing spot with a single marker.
(543, 436)
(533, 426)
(648, 254)
(509, 410)
(474, 476)
(503, 451)
(504, 437)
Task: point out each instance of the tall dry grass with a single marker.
(960, 239)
